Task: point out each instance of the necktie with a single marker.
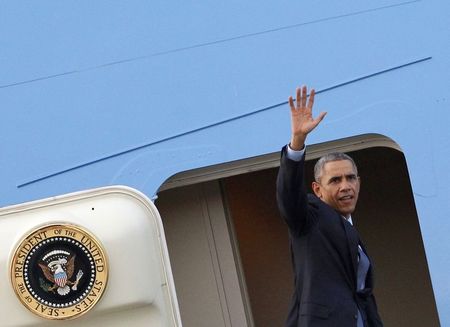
(361, 274)
(363, 268)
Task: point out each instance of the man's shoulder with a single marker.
(314, 200)
(320, 207)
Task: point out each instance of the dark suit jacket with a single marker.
(324, 253)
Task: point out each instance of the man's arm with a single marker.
(291, 191)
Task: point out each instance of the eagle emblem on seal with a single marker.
(58, 267)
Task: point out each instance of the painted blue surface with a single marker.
(100, 93)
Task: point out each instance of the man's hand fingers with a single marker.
(291, 103)
(302, 100)
(304, 96)
(320, 117)
(299, 97)
(311, 98)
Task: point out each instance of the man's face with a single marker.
(338, 186)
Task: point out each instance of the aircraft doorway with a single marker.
(229, 248)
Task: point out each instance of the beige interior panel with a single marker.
(203, 263)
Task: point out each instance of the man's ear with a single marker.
(317, 189)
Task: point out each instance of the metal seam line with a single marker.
(199, 45)
(195, 130)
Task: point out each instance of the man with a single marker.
(333, 273)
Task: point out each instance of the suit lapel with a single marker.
(348, 245)
(354, 240)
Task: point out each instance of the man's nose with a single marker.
(345, 185)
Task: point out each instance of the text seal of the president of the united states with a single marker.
(59, 271)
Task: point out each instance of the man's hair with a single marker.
(334, 156)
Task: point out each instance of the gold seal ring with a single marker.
(59, 271)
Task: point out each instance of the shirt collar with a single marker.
(349, 219)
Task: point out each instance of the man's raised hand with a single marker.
(302, 121)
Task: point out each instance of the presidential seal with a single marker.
(59, 271)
